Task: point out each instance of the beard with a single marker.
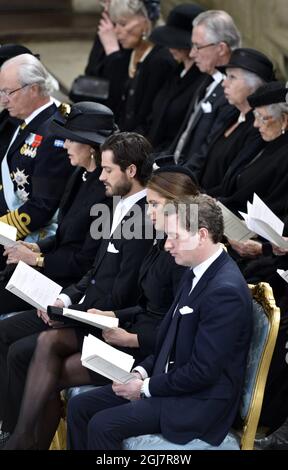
(120, 189)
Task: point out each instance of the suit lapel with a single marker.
(34, 124)
(209, 274)
(105, 243)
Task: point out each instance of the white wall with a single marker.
(86, 5)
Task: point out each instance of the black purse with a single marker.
(88, 88)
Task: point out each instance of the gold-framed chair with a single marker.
(266, 320)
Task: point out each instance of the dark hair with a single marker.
(209, 215)
(130, 148)
(172, 185)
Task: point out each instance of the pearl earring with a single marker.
(144, 36)
(283, 130)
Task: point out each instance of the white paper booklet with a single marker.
(106, 360)
(33, 287)
(264, 222)
(8, 234)
(100, 321)
(234, 228)
(283, 274)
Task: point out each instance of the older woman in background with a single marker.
(267, 172)
(137, 76)
(247, 70)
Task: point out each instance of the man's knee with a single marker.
(74, 409)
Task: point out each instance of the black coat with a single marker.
(223, 152)
(40, 161)
(137, 94)
(70, 253)
(266, 175)
(171, 105)
(159, 277)
(112, 282)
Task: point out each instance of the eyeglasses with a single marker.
(262, 119)
(8, 93)
(198, 48)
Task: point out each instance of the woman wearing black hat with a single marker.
(266, 173)
(136, 77)
(68, 255)
(171, 103)
(247, 70)
(158, 279)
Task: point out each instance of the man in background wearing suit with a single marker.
(191, 387)
(214, 37)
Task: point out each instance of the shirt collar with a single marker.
(218, 76)
(38, 111)
(200, 269)
(129, 201)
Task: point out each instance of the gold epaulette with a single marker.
(64, 109)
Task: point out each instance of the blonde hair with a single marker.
(128, 8)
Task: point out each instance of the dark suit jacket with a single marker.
(171, 105)
(112, 282)
(204, 125)
(70, 253)
(8, 126)
(199, 396)
(44, 174)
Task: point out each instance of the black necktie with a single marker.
(168, 347)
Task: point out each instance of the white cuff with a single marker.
(145, 388)
(65, 299)
(141, 371)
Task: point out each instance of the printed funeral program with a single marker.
(264, 222)
(234, 228)
(106, 360)
(99, 321)
(33, 287)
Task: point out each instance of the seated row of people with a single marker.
(272, 128)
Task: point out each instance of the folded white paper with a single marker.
(106, 360)
(185, 310)
(33, 287)
(283, 274)
(100, 321)
(264, 222)
(8, 234)
(234, 228)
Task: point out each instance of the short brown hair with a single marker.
(209, 215)
(130, 148)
